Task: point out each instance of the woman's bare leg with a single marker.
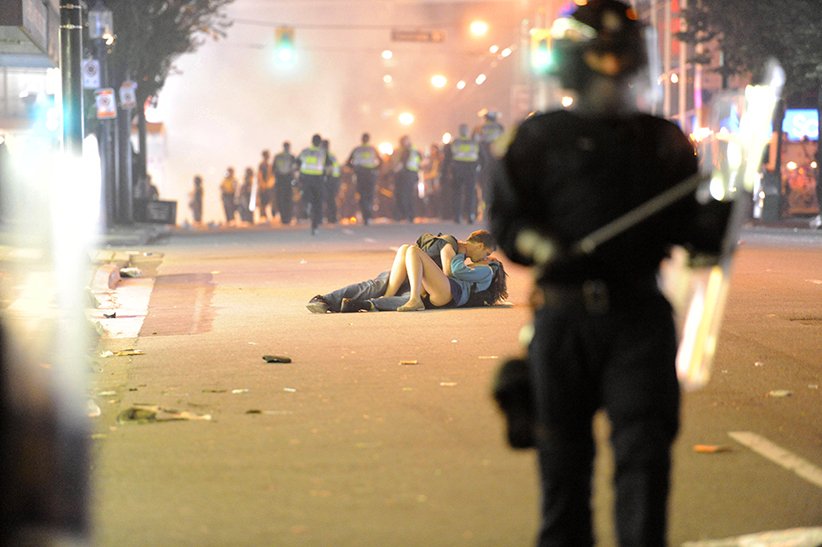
(423, 273)
(397, 275)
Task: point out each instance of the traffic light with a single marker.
(540, 53)
(284, 45)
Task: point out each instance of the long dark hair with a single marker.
(497, 291)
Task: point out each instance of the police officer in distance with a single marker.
(311, 165)
(365, 160)
(284, 167)
(464, 162)
(604, 336)
(487, 134)
(407, 160)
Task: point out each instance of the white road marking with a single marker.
(779, 455)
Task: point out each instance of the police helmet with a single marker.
(602, 27)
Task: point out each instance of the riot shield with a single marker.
(740, 128)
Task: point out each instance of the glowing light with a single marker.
(439, 81)
(493, 49)
(480, 79)
(701, 133)
(446, 138)
(388, 79)
(387, 54)
(461, 84)
(674, 78)
(478, 28)
(385, 148)
(813, 165)
(406, 118)
(506, 52)
(791, 165)
(567, 101)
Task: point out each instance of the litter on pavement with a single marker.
(144, 414)
(276, 359)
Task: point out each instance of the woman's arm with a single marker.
(474, 274)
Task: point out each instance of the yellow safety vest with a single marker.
(365, 156)
(465, 150)
(312, 161)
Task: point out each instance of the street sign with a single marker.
(106, 105)
(91, 74)
(128, 95)
(434, 36)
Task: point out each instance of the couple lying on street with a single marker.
(432, 273)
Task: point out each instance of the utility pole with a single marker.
(71, 60)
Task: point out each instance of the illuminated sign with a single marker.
(801, 123)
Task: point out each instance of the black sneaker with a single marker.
(318, 304)
(349, 306)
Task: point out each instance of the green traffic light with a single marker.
(285, 51)
(541, 58)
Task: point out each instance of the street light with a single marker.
(478, 28)
(101, 23)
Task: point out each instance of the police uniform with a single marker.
(604, 336)
(487, 134)
(332, 187)
(312, 175)
(405, 183)
(464, 162)
(284, 167)
(365, 160)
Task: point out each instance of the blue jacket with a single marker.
(470, 278)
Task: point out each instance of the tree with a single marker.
(150, 35)
(751, 31)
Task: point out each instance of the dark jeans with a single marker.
(366, 181)
(621, 360)
(331, 189)
(405, 186)
(284, 196)
(313, 194)
(370, 289)
(465, 190)
(229, 207)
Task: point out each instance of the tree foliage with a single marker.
(751, 31)
(151, 34)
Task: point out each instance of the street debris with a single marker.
(711, 448)
(93, 409)
(489, 357)
(238, 391)
(112, 315)
(448, 384)
(121, 353)
(215, 390)
(780, 393)
(793, 537)
(130, 272)
(276, 359)
(409, 362)
(759, 364)
(290, 389)
(144, 414)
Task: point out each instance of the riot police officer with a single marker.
(604, 337)
(464, 163)
(312, 165)
(366, 161)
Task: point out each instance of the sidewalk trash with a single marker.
(215, 390)
(238, 391)
(793, 537)
(112, 315)
(711, 448)
(93, 409)
(487, 357)
(448, 384)
(130, 272)
(409, 362)
(145, 414)
(106, 354)
(276, 359)
(780, 393)
(121, 353)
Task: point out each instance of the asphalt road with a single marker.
(345, 446)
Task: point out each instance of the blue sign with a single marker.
(801, 123)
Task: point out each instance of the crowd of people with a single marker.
(446, 181)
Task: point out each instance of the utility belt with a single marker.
(595, 295)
